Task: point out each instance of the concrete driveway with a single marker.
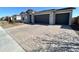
(45, 38)
(7, 44)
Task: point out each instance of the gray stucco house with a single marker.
(53, 16)
(25, 17)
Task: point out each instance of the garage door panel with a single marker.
(42, 19)
(62, 19)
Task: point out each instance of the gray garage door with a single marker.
(62, 19)
(42, 19)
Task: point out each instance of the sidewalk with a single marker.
(7, 44)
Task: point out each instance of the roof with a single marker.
(58, 9)
(47, 10)
(66, 8)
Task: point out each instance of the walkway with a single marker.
(7, 44)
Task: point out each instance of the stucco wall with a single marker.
(18, 17)
(32, 19)
(51, 18)
(45, 12)
(26, 19)
(62, 11)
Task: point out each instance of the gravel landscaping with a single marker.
(52, 38)
(5, 24)
(75, 28)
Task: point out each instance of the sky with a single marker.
(9, 11)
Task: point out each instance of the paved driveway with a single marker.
(7, 44)
(45, 38)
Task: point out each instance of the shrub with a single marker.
(76, 20)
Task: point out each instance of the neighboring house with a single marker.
(16, 17)
(53, 16)
(2, 18)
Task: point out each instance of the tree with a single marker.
(22, 13)
(1, 18)
(29, 11)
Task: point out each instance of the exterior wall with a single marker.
(70, 19)
(26, 18)
(32, 19)
(13, 17)
(18, 18)
(51, 18)
(62, 11)
(39, 13)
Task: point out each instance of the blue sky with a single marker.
(8, 11)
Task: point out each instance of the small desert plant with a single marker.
(9, 20)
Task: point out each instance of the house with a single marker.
(2, 18)
(16, 17)
(53, 16)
